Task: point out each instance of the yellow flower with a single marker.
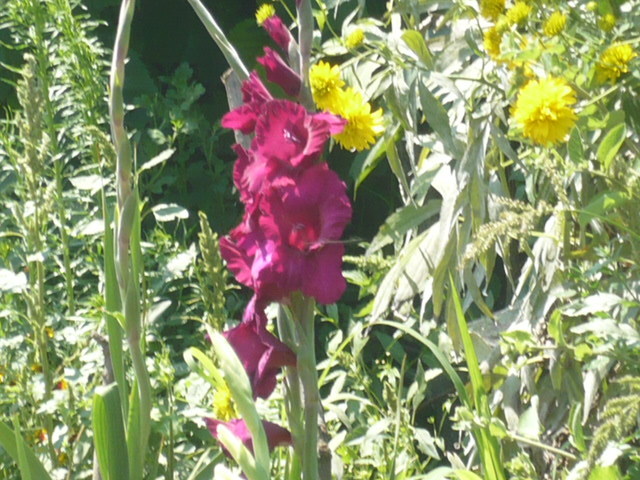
(555, 24)
(614, 62)
(492, 41)
(491, 9)
(502, 24)
(223, 406)
(265, 11)
(363, 125)
(325, 85)
(607, 22)
(354, 39)
(544, 110)
(518, 13)
(592, 6)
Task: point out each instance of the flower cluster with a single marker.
(363, 125)
(296, 210)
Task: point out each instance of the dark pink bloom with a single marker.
(261, 353)
(278, 31)
(276, 435)
(286, 132)
(279, 72)
(307, 220)
(254, 96)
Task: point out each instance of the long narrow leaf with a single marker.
(9, 441)
(227, 49)
(240, 387)
(108, 430)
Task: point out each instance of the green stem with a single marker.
(303, 310)
(305, 39)
(549, 448)
(64, 236)
(293, 396)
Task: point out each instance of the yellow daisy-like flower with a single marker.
(354, 39)
(614, 62)
(363, 125)
(492, 41)
(555, 24)
(265, 11)
(544, 110)
(491, 9)
(326, 85)
(223, 406)
(502, 24)
(518, 13)
(607, 22)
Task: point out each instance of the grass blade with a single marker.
(109, 437)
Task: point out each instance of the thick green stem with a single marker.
(293, 396)
(127, 249)
(304, 314)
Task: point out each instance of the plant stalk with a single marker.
(304, 315)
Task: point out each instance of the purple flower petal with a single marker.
(280, 73)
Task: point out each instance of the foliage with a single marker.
(540, 239)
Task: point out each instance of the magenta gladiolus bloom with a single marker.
(280, 73)
(277, 30)
(308, 219)
(254, 96)
(286, 132)
(260, 352)
(276, 435)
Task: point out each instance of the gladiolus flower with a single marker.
(280, 73)
(278, 32)
(276, 435)
(260, 352)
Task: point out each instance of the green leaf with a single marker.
(400, 222)
(437, 117)
(218, 36)
(466, 475)
(605, 473)
(415, 41)
(529, 423)
(610, 145)
(15, 446)
(240, 387)
(167, 212)
(108, 430)
(575, 147)
(361, 170)
(396, 166)
(158, 159)
(600, 205)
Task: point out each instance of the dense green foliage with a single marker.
(490, 328)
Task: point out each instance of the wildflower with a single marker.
(492, 41)
(265, 12)
(592, 6)
(62, 385)
(278, 32)
(607, 22)
(276, 435)
(223, 406)
(544, 110)
(354, 39)
(326, 85)
(555, 24)
(491, 9)
(614, 62)
(279, 72)
(518, 13)
(363, 125)
(260, 352)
